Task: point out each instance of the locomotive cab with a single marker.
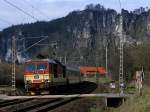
(37, 76)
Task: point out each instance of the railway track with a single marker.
(53, 105)
(12, 102)
(37, 104)
(33, 105)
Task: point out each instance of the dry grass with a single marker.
(136, 103)
(5, 73)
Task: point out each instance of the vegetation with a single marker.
(5, 74)
(136, 57)
(136, 103)
(82, 34)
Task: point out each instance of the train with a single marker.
(43, 74)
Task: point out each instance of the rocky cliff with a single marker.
(83, 35)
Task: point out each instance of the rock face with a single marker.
(83, 35)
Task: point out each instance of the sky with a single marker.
(46, 10)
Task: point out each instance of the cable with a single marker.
(36, 43)
(36, 9)
(21, 10)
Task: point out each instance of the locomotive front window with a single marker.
(30, 67)
(42, 66)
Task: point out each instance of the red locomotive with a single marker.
(41, 75)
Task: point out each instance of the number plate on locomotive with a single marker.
(36, 77)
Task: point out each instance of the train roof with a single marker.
(54, 61)
(91, 70)
(72, 68)
(40, 60)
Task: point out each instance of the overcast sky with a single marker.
(52, 9)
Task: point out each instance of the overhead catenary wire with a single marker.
(23, 11)
(36, 43)
(37, 10)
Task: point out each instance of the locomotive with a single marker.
(41, 75)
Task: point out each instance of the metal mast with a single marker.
(14, 64)
(121, 80)
(106, 60)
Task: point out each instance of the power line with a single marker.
(36, 43)
(36, 9)
(26, 13)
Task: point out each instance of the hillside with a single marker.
(82, 36)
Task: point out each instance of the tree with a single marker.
(90, 7)
(97, 7)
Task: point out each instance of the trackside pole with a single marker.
(13, 85)
(121, 80)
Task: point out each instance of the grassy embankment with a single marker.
(5, 76)
(135, 103)
(138, 103)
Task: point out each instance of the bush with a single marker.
(6, 73)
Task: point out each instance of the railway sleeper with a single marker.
(52, 106)
(13, 102)
(35, 105)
